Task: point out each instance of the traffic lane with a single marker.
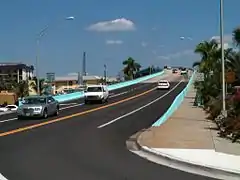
(75, 149)
(121, 130)
(12, 124)
(73, 103)
(80, 100)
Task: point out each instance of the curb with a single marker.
(173, 162)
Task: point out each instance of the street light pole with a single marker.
(40, 34)
(223, 61)
(37, 73)
(105, 73)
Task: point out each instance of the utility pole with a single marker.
(223, 61)
(105, 73)
(37, 72)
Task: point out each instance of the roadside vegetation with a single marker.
(132, 69)
(22, 88)
(209, 91)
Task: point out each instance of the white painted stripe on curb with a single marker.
(172, 162)
(142, 107)
(2, 177)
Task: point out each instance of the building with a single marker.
(71, 81)
(17, 72)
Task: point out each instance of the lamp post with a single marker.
(105, 73)
(223, 61)
(39, 35)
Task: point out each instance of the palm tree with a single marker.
(21, 89)
(41, 85)
(210, 55)
(236, 36)
(131, 67)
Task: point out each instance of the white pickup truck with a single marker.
(95, 93)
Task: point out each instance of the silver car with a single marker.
(38, 106)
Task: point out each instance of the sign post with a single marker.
(230, 77)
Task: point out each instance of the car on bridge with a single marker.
(163, 84)
(38, 106)
(96, 93)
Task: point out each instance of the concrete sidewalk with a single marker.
(189, 142)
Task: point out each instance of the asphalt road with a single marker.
(90, 144)
(73, 103)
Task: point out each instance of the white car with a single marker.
(9, 108)
(163, 84)
(95, 93)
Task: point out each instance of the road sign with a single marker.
(199, 77)
(50, 77)
(230, 77)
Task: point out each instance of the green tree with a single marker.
(21, 89)
(236, 36)
(131, 68)
(41, 85)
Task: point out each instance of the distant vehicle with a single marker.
(174, 71)
(38, 106)
(183, 71)
(163, 84)
(95, 93)
(8, 108)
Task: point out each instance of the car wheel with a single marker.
(20, 117)
(57, 112)
(45, 114)
(102, 100)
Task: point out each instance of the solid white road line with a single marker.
(136, 110)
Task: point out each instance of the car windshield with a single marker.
(10, 106)
(94, 89)
(34, 101)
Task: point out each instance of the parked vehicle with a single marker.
(94, 93)
(38, 106)
(163, 84)
(9, 108)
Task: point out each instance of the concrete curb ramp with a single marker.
(192, 167)
(179, 163)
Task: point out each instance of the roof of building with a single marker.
(9, 65)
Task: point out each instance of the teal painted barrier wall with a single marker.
(175, 105)
(77, 95)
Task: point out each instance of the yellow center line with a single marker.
(72, 115)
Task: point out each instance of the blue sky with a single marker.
(148, 30)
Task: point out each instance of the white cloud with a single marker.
(177, 55)
(144, 44)
(154, 52)
(114, 42)
(186, 38)
(113, 25)
(226, 38)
